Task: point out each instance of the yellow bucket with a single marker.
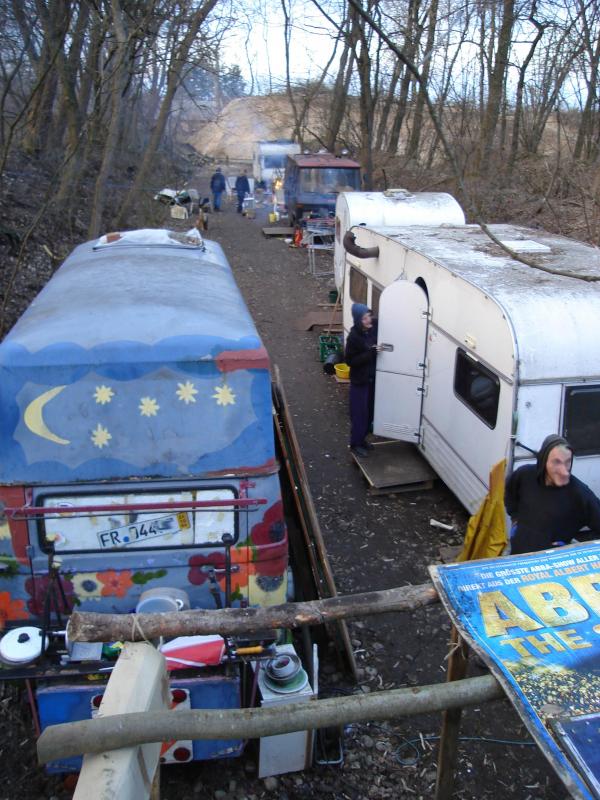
(342, 371)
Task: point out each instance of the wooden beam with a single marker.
(457, 669)
(94, 627)
(138, 683)
(125, 730)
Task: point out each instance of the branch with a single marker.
(127, 730)
(94, 627)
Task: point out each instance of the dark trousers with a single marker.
(217, 200)
(362, 404)
(240, 199)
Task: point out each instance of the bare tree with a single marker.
(197, 15)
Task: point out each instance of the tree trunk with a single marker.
(118, 82)
(417, 125)
(127, 730)
(340, 94)
(496, 86)
(410, 48)
(92, 627)
(514, 147)
(176, 64)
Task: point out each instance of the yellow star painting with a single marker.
(186, 392)
(148, 407)
(103, 394)
(100, 436)
(224, 396)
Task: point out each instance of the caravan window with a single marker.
(581, 419)
(358, 286)
(477, 387)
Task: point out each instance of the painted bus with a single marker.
(137, 467)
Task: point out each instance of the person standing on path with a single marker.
(217, 187)
(361, 356)
(242, 188)
(547, 505)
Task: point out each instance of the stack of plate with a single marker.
(284, 674)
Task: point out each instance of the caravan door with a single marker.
(403, 320)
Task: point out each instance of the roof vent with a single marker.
(525, 246)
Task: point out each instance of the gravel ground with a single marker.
(374, 542)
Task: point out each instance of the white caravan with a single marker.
(269, 159)
(481, 351)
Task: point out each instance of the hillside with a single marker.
(242, 122)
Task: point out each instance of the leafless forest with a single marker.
(491, 97)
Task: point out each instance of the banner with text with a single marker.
(535, 619)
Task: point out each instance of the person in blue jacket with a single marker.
(217, 187)
(361, 356)
(547, 505)
(242, 188)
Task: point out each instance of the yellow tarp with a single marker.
(486, 535)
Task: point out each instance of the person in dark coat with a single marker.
(242, 188)
(217, 187)
(547, 505)
(361, 355)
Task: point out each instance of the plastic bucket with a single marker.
(342, 371)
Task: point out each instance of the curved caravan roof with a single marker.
(139, 358)
(393, 207)
(400, 207)
(556, 319)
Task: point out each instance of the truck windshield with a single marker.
(329, 180)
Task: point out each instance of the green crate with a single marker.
(329, 344)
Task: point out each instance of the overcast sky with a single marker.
(258, 46)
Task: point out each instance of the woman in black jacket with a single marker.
(361, 355)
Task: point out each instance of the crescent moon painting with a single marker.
(34, 420)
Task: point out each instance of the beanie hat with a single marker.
(358, 312)
(549, 443)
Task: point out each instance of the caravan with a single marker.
(481, 353)
(268, 162)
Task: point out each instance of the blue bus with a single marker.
(137, 466)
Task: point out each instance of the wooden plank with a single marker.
(137, 683)
(394, 467)
(318, 318)
(315, 534)
(278, 231)
(457, 670)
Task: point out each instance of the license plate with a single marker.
(139, 532)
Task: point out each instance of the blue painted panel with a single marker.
(70, 703)
(140, 361)
(218, 692)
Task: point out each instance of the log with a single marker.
(94, 627)
(125, 730)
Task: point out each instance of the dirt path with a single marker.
(373, 542)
